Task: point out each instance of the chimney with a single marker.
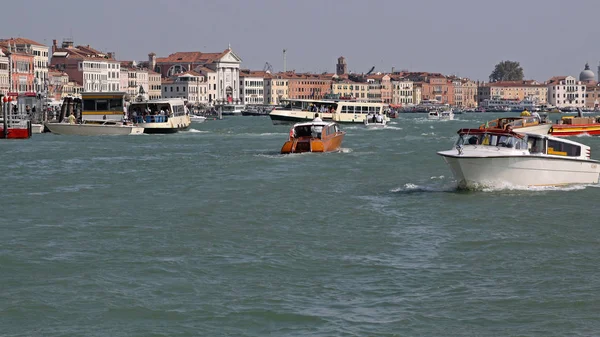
(393, 70)
(109, 54)
(54, 45)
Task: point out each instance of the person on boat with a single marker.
(125, 118)
(71, 118)
(379, 118)
(536, 115)
(317, 118)
(370, 116)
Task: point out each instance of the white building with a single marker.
(223, 77)
(92, 69)
(4, 74)
(252, 87)
(190, 86)
(566, 92)
(402, 92)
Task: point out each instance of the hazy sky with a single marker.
(461, 37)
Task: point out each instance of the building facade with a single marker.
(40, 55)
(592, 96)
(402, 92)
(224, 83)
(154, 85)
(566, 92)
(308, 86)
(4, 74)
(513, 90)
(189, 86)
(351, 89)
(276, 89)
(252, 87)
(92, 69)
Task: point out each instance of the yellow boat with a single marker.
(525, 113)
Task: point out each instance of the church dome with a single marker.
(587, 75)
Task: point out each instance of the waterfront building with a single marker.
(592, 96)
(276, 89)
(417, 98)
(402, 92)
(469, 93)
(56, 83)
(252, 87)
(154, 85)
(351, 89)
(308, 86)
(137, 80)
(438, 88)
(20, 72)
(224, 83)
(380, 88)
(189, 86)
(566, 92)
(513, 90)
(94, 70)
(40, 59)
(4, 74)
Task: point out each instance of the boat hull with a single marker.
(300, 145)
(15, 133)
(540, 129)
(524, 170)
(574, 130)
(172, 125)
(93, 129)
(37, 128)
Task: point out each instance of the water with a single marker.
(212, 232)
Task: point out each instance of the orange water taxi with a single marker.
(315, 136)
(573, 126)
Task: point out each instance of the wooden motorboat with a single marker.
(519, 124)
(573, 126)
(315, 136)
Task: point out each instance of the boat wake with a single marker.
(508, 187)
(394, 128)
(345, 150)
(195, 131)
(414, 188)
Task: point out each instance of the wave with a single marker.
(414, 188)
(195, 131)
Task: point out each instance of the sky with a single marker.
(466, 38)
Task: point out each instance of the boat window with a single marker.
(116, 105)
(563, 149)
(358, 109)
(101, 104)
(89, 105)
(536, 145)
(344, 109)
(303, 131)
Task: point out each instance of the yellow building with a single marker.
(513, 90)
(357, 90)
(276, 89)
(402, 92)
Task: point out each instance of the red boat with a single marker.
(573, 126)
(14, 125)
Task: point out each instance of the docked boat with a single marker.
(231, 109)
(314, 136)
(15, 126)
(520, 125)
(498, 157)
(573, 126)
(161, 115)
(339, 111)
(94, 128)
(197, 118)
(253, 110)
(441, 115)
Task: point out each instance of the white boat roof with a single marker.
(313, 123)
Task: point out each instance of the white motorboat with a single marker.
(161, 115)
(37, 128)
(197, 118)
(498, 157)
(304, 110)
(95, 128)
(441, 115)
(374, 124)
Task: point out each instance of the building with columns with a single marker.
(224, 84)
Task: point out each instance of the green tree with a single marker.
(507, 71)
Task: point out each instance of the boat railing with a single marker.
(151, 119)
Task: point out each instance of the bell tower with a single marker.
(341, 67)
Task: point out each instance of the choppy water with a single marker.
(211, 232)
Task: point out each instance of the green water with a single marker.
(212, 232)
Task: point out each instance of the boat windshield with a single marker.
(490, 139)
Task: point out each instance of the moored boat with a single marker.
(13, 125)
(573, 126)
(197, 118)
(314, 136)
(441, 115)
(497, 157)
(95, 128)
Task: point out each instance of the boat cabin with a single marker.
(533, 143)
(571, 120)
(156, 111)
(314, 130)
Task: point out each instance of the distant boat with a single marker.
(314, 137)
